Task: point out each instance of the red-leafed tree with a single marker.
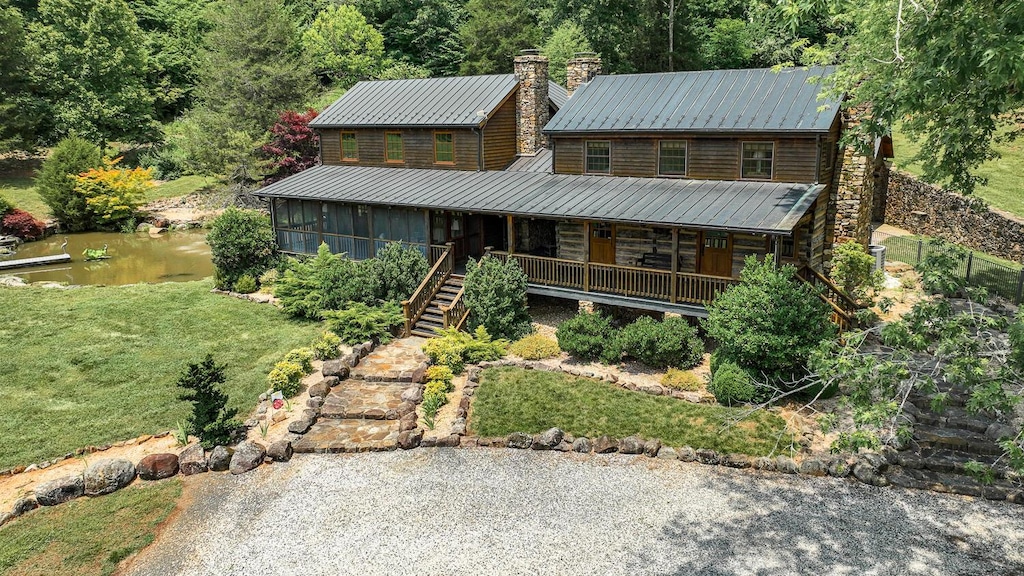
(294, 145)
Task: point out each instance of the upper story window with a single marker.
(393, 149)
(349, 149)
(757, 160)
(599, 157)
(444, 148)
(672, 158)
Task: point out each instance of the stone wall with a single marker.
(853, 191)
(532, 112)
(580, 69)
(925, 209)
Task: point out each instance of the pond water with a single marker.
(177, 256)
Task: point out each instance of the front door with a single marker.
(716, 254)
(602, 243)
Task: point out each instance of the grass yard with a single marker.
(87, 536)
(93, 365)
(1005, 178)
(515, 400)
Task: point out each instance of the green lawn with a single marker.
(1005, 189)
(87, 536)
(94, 365)
(515, 400)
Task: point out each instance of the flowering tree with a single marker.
(294, 146)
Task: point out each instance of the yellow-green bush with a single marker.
(286, 377)
(326, 346)
(442, 373)
(454, 349)
(437, 387)
(303, 357)
(535, 347)
(682, 380)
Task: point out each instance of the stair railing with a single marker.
(844, 308)
(418, 303)
(456, 313)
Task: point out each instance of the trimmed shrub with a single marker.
(286, 377)
(303, 357)
(22, 224)
(672, 342)
(731, 384)
(453, 348)
(441, 374)
(852, 270)
(585, 335)
(535, 347)
(58, 177)
(437, 387)
(241, 243)
(677, 379)
(496, 298)
(357, 322)
(211, 420)
(397, 271)
(326, 346)
(327, 281)
(245, 284)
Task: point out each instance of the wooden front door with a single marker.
(602, 243)
(716, 254)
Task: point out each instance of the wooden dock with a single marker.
(39, 261)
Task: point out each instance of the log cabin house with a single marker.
(641, 190)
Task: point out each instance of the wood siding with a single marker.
(500, 136)
(418, 147)
(744, 245)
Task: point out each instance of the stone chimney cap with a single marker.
(530, 52)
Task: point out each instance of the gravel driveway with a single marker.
(491, 511)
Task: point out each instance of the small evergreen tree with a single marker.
(398, 270)
(496, 298)
(58, 177)
(212, 421)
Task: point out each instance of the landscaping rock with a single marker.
(687, 454)
(410, 439)
(473, 375)
(192, 460)
(24, 506)
(909, 459)
(736, 461)
(280, 451)
(336, 368)
(413, 394)
(605, 445)
(158, 466)
(838, 468)
(668, 453)
(407, 422)
(248, 456)
(314, 402)
(367, 348)
(564, 446)
(548, 440)
(631, 445)
(877, 461)
(998, 431)
(813, 467)
(582, 445)
(786, 465)
(300, 426)
(764, 463)
(220, 458)
(350, 361)
(106, 476)
(710, 457)
(865, 472)
(320, 389)
(419, 375)
(651, 448)
(520, 440)
(459, 426)
(60, 490)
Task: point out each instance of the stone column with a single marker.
(851, 200)
(531, 101)
(580, 69)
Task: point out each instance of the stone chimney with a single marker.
(580, 69)
(532, 113)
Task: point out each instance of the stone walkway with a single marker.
(367, 411)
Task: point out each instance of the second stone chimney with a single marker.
(580, 69)
(532, 113)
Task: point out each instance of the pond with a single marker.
(177, 256)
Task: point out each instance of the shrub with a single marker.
(496, 298)
(5, 206)
(22, 224)
(58, 176)
(535, 347)
(245, 284)
(939, 268)
(440, 374)
(325, 346)
(731, 384)
(325, 282)
(286, 377)
(1016, 332)
(112, 195)
(770, 321)
(211, 420)
(585, 335)
(453, 348)
(357, 322)
(661, 344)
(852, 270)
(303, 357)
(677, 379)
(397, 271)
(241, 242)
(438, 387)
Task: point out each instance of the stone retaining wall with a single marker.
(929, 210)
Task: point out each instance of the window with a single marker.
(787, 248)
(757, 160)
(349, 150)
(672, 157)
(393, 151)
(444, 148)
(716, 240)
(599, 158)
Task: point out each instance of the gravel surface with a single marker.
(492, 511)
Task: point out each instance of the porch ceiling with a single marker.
(757, 207)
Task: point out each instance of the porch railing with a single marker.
(436, 251)
(418, 303)
(456, 313)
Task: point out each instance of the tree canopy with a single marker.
(341, 45)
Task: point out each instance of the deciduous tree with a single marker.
(342, 46)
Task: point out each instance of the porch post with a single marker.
(777, 250)
(586, 255)
(511, 235)
(675, 265)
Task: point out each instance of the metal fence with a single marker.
(976, 269)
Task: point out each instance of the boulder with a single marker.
(60, 490)
(335, 368)
(710, 457)
(786, 465)
(220, 458)
(520, 440)
(813, 467)
(631, 445)
(764, 463)
(838, 468)
(23, 506)
(300, 426)
(736, 461)
(320, 389)
(410, 439)
(413, 394)
(866, 473)
(879, 462)
(106, 476)
(158, 466)
(407, 422)
(667, 453)
(459, 427)
(350, 360)
(651, 448)
(192, 460)
(419, 375)
(280, 451)
(248, 455)
(548, 439)
(582, 445)
(605, 445)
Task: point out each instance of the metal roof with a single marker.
(757, 207)
(455, 102)
(557, 95)
(542, 161)
(761, 100)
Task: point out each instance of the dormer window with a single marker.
(757, 160)
(672, 158)
(444, 148)
(349, 149)
(599, 157)
(393, 149)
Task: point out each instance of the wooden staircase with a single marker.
(433, 318)
(437, 302)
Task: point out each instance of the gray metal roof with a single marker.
(759, 207)
(557, 95)
(759, 100)
(542, 161)
(443, 102)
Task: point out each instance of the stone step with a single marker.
(951, 483)
(936, 438)
(947, 461)
(337, 436)
(366, 400)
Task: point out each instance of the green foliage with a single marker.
(19, 102)
(565, 41)
(432, 402)
(727, 43)
(58, 177)
(496, 298)
(5, 206)
(241, 242)
(495, 32)
(770, 321)
(303, 357)
(453, 349)
(585, 335)
(852, 270)
(1016, 334)
(425, 33)
(341, 45)
(245, 284)
(286, 377)
(535, 347)
(677, 379)
(731, 384)
(328, 281)
(898, 335)
(358, 323)
(440, 374)
(212, 421)
(671, 343)
(325, 347)
(939, 267)
(401, 71)
(112, 195)
(397, 270)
